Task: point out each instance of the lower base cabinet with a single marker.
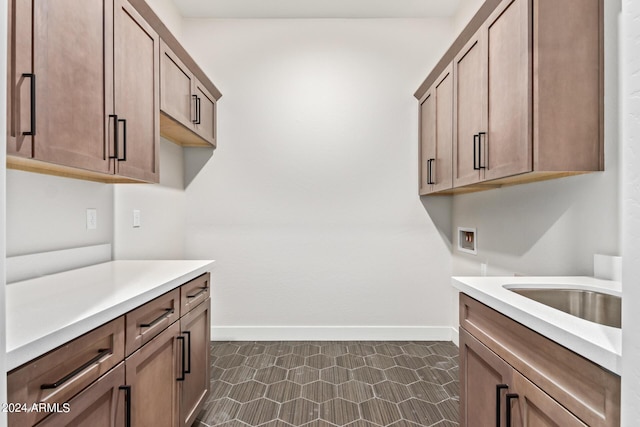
(511, 376)
(90, 382)
(495, 394)
(194, 390)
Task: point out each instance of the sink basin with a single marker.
(593, 306)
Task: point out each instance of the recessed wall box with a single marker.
(467, 240)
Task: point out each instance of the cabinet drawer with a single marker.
(194, 292)
(147, 321)
(62, 373)
(587, 390)
(102, 404)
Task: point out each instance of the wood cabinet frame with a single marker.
(164, 373)
(71, 161)
(552, 123)
(589, 392)
(436, 138)
(195, 127)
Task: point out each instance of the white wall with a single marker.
(168, 12)
(630, 64)
(162, 209)
(466, 10)
(552, 227)
(47, 213)
(310, 203)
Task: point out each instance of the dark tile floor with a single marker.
(324, 384)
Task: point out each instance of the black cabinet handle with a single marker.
(116, 144)
(181, 377)
(480, 150)
(188, 370)
(200, 292)
(510, 397)
(499, 389)
(168, 312)
(32, 76)
(430, 171)
(101, 353)
(475, 152)
(195, 103)
(198, 110)
(124, 140)
(127, 401)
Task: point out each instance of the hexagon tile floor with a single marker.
(327, 384)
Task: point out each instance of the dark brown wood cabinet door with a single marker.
(136, 88)
(442, 168)
(153, 372)
(534, 408)
(102, 404)
(176, 84)
(470, 69)
(427, 142)
(481, 374)
(507, 145)
(19, 62)
(195, 326)
(206, 119)
(70, 66)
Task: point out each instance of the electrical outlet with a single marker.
(136, 218)
(92, 219)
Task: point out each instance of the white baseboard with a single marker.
(333, 333)
(455, 336)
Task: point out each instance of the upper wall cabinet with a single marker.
(187, 107)
(436, 121)
(84, 89)
(60, 83)
(136, 83)
(527, 93)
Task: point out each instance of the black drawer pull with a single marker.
(188, 370)
(115, 136)
(510, 397)
(168, 312)
(475, 152)
(127, 400)
(32, 76)
(101, 353)
(430, 163)
(200, 292)
(124, 140)
(195, 104)
(499, 389)
(480, 150)
(181, 377)
(198, 110)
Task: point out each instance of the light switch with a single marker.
(92, 219)
(136, 218)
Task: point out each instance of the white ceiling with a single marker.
(316, 8)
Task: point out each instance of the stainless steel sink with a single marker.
(595, 307)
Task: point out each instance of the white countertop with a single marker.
(46, 312)
(598, 343)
